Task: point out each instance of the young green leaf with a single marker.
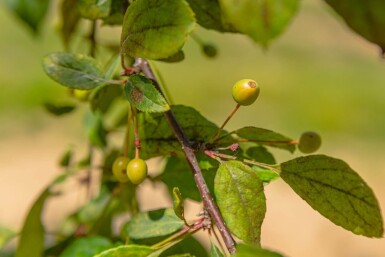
(364, 17)
(59, 109)
(93, 123)
(70, 18)
(187, 247)
(260, 136)
(152, 224)
(118, 8)
(240, 197)
(31, 241)
(253, 251)
(127, 250)
(149, 31)
(74, 70)
(91, 211)
(336, 191)
(112, 66)
(178, 203)
(86, 247)
(141, 93)
(265, 175)
(214, 251)
(102, 97)
(31, 12)
(5, 235)
(94, 9)
(260, 154)
(261, 20)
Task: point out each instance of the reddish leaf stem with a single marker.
(224, 123)
(208, 202)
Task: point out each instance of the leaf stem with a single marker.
(274, 167)
(189, 151)
(127, 138)
(136, 131)
(224, 123)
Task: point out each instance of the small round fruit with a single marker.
(309, 142)
(245, 91)
(210, 50)
(137, 170)
(119, 169)
(81, 95)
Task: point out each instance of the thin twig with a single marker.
(207, 199)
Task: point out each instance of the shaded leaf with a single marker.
(74, 70)
(87, 247)
(178, 57)
(93, 123)
(177, 173)
(208, 14)
(112, 65)
(214, 251)
(365, 17)
(260, 136)
(260, 154)
(178, 203)
(31, 241)
(141, 93)
(253, 251)
(102, 97)
(66, 158)
(118, 8)
(261, 20)
(336, 191)
(59, 109)
(152, 224)
(149, 31)
(90, 212)
(70, 18)
(94, 9)
(31, 12)
(127, 251)
(240, 197)
(187, 247)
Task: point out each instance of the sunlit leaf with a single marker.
(149, 31)
(214, 251)
(94, 9)
(365, 17)
(141, 93)
(254, 251)
(336, 191)
(240, 197)
(5, 235)
(178, 203)
(127, 250)
(74, 70)
(262, 20)
(152, 224)
(87, 247)
(187, 247)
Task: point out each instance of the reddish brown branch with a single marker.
(208, 202)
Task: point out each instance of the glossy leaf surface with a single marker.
(336, 191)
(149, 31)
(74, 70)
(253, 251)
(240, 197)
(87, 247)
(94, 9)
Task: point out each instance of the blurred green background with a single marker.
(317, 76)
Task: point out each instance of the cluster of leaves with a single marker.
(237, 165)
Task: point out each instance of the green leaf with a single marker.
(118, 8)
(253, 251)
(127, 251)
(214, 251)
(240, 197)
(87, 247)
(262, 20)
(90, 212)
(178, 203)
(141, 93)
(260, 154)
(94, 9)
(178, 57)
(265, 175)
(102, 97)
(31, 12)
(112, 66)
(336, 191)
(153, 224)
(70, 18)
(59, 109)
(208, 14)
(189, 246)
(74, 70)
(66, 158)
(177, 173)
(260, 136)
(365, 17)
(31, 241)
(149, 31)
(93, 123)
(5, 235)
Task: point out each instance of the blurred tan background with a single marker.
(317, 76)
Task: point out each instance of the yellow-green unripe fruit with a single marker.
(309, 142)
(137, 170)
(119, 169)
(245, 91)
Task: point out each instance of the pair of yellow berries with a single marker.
(125, 170)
